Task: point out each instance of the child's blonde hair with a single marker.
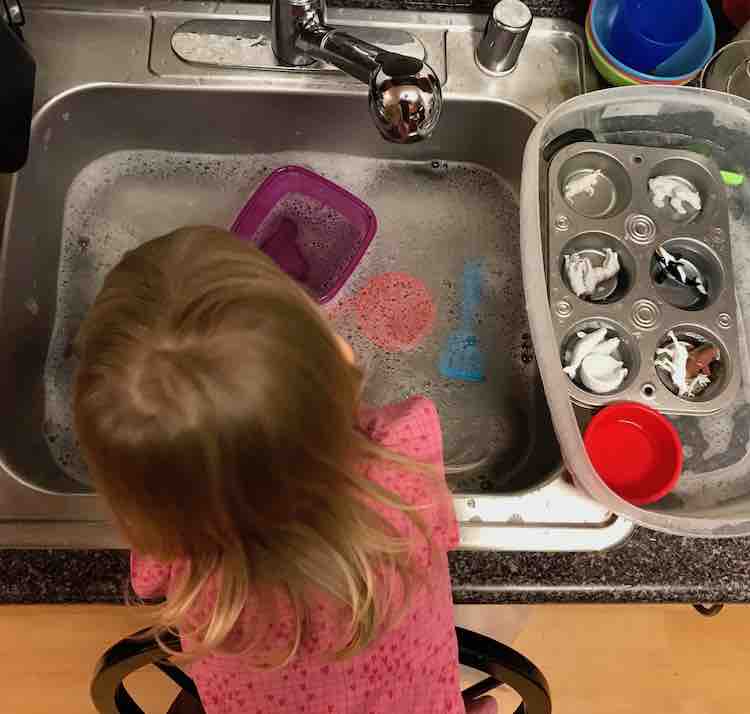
(217, 414)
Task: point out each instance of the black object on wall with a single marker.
(564, 9)
(17, 72)
(725, 30)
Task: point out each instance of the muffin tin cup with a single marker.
(705, 260)
(696, 176)
(722, 369)
(594, 184)
(637, 308)
(592, 245)
(628, 353)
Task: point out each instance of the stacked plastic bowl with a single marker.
(650, 41)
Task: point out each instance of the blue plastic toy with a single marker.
(462, 357)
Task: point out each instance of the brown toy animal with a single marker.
(700, 360)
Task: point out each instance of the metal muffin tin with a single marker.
(621, 215)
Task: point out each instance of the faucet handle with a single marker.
(405, 98)
(504, 37)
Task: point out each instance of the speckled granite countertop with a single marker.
(649, 567)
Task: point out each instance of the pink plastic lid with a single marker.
(316, 231)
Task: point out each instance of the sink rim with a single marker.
(47, 113)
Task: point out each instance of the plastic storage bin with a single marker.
(712, 498)
(315, 230)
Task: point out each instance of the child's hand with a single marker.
(483, 705)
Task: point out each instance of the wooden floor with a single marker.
(598, 659)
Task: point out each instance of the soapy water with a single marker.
(716, 447)
(327, 240)
(717, 459)
(460, 212)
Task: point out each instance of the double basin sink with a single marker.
(130, 141)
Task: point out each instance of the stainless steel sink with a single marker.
(140, 152)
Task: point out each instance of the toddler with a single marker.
(299, 538)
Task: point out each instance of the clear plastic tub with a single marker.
(712, 498)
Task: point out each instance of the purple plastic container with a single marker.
(316, 231)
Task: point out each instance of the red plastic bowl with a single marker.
(635, 450)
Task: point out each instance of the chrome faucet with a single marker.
(405, 97)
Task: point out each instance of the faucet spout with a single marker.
(405, 97)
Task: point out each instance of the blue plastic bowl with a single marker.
(641, 37)
(677, 69)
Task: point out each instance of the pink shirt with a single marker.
(410, 669)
